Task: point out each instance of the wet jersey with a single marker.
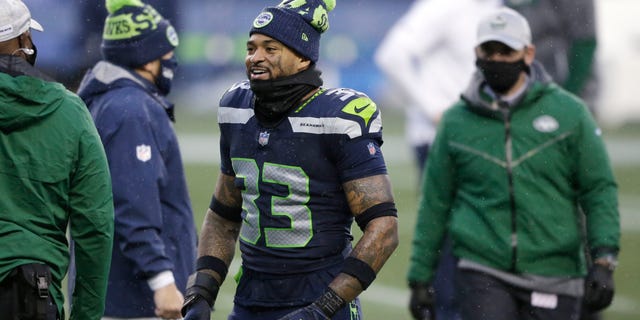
(296, 218)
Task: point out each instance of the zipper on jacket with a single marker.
(504, 108)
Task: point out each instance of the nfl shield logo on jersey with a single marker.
(264, 138)
(372, 148)
(143, 152)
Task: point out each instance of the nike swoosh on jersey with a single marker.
(358, 110)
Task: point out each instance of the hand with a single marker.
(422, 301)
(598, 288)
(198, 310)
(310, 312)
(202, 290)
(168, 301)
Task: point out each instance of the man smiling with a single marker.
(299, 163)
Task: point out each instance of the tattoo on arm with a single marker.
(380, 238)
(218, 236)
(367, 192)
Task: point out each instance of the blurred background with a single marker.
(211, 56)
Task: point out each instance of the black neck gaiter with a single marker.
(275, 97)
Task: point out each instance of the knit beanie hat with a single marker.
(135, 34)
(298, 24)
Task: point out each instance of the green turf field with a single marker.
(387, 298)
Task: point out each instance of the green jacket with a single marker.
(508, 182)
(53, 175)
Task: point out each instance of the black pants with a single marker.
(483, 297)
(15, 302)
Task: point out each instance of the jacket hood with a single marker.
(105, 76)
(477, 98)
(26, 95)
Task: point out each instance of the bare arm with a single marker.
(380, 237)
(218, 235)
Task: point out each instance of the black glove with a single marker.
(322, 309)
(422, 302)
(310, 312)
(202, 290)
(598, 288)
(197, 310)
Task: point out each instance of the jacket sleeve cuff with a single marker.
(161, 279)
(603, 251)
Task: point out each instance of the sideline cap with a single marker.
(15, 19)
(507, 26)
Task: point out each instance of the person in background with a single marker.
(512, 163)
(53, 176)
(155, 238)
(299, 163)
(88, 35)
(565, 36)
(429, 57)
(566, 41)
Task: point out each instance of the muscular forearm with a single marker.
(380, 234)
(376, 245)
(218, 238)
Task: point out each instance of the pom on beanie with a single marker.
(298, 24)
(115, 5)
(135, 34)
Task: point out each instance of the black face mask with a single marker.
(168, 68)
(501, 76)
(275, 97)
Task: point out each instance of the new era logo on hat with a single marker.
(15, 19)
(507, 26)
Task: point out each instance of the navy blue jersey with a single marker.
(296, 218)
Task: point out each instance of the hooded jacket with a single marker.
(53, 175)
(154, 226)
(507, 183)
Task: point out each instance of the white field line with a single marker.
(200, 148)
(203, 149)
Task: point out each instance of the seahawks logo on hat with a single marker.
(262, 20)
(172, 36)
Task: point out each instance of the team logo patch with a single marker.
(545, 123)
(372, 148)
(262, 20)
(172, 36)
(143, 152)
(263, 139)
